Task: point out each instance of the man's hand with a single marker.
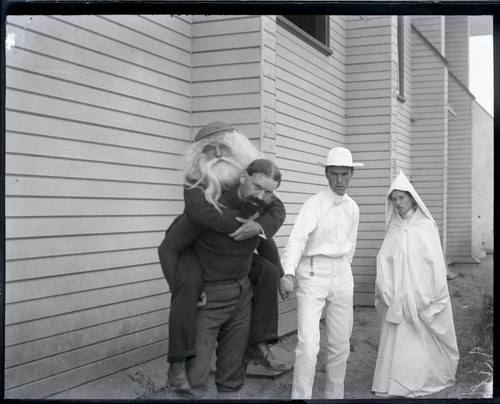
(248, 229)
(286, 287)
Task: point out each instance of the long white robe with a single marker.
(418, 351)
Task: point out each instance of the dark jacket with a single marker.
(221, 257)
(203, 214)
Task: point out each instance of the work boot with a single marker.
(177, 377)
(262, 355)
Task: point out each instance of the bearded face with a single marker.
(218, 171)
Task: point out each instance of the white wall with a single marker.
(98, 116)
(482, 181)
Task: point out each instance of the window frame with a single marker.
(306, 37)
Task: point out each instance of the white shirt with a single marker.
(327, 224)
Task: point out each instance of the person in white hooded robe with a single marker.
(418, 352)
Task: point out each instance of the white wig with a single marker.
(198, 171)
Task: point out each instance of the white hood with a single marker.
(401, 183)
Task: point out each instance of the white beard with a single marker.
(217, 175)
(222, 170)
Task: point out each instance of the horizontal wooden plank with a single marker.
(370, 31)
(376, 89)
(360, 50)
(67, 109)
(89, 372)
(181, 24)
(369, 68)
(357, 112)
(223, 57)
(235, 26)
(364, 299)
(52, 327)
(74, 263)
(58, 305)
(328, 74)
(368, 41)
(29, 352)
(49, 207)
(367, 103)
(177, 135)
(365, 278)
(48, 166)
(142, 106)
(46, 247)
(225, 102)
(125, 32)
(74, 226)
(330, 121)
(233, 86)
(287, 305)
(17, 185)
(240, 118)
(233, 71)
(22, 291)
(79, 61)
(95, 80)
(293, 128)
(364, 288)
(353, 59)
(293, 191)
(310, 93)
(287, 323)
(226, 42)
(309, 100)
(177, 28)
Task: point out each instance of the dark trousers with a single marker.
(188, 285)
(224, 321)
(184, 298)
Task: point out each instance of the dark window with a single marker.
(314, 25)
(401, 58)
(314, 29)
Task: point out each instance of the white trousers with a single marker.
(331, 287)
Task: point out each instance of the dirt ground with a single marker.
(467, 291)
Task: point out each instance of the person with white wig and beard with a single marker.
(215, 162)
(225, 318)
(418, 352)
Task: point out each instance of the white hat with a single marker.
(340, 156)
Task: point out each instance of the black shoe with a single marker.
(177, 377)
(262, 355)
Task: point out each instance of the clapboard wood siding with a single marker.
(98, 115)
(430, 118)
(459, 235)
(401, 108)
(309, 106)
(268, 86)
(226, 63)
(309, 120)
(369, 121)
(310, 112)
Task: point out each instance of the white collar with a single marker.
(408, 215)
(334, 197)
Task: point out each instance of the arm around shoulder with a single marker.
(203, 214)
